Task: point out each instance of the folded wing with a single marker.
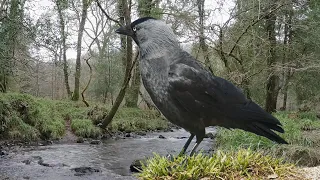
(207, 97)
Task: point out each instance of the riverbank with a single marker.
(26, 118)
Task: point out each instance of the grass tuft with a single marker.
(240, 164)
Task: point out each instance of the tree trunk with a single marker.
(107, 120)
(287, 41)
(64, 48)
(85, 4)
(273, 80)
(132, 95)
(202, 41)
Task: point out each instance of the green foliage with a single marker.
(85, 128)
(240, 164)
(109, 74)
(149, 8)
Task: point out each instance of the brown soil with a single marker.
(69, 136)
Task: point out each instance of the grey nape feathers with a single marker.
(186, 93)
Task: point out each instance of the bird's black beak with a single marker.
(125, 30)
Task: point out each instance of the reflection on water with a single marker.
(112, 157)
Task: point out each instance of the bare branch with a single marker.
(90, 78)
(105, 13)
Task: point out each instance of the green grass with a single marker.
(85, 128)
(240, 164)
(24, 117)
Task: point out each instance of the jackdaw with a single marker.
(186, 93)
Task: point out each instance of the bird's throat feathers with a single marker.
(159, 43)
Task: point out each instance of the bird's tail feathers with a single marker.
(256, 120)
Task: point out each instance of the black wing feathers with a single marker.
(207, 96)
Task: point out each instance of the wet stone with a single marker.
(37, 158)
(3, 153)
(136, 165)
(162, 137)
(127, 135)
(80, 140)
(95, 142)
(40, 162)
(27, 161)
(80, 171)
(183, 137)
(141, 133)
(210, 135)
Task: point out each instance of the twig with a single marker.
(105, 13)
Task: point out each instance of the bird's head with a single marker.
(148, 30)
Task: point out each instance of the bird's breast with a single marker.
(155, 79)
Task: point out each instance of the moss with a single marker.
(240, 164)
(24, 117)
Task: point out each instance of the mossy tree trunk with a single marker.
(61, 5)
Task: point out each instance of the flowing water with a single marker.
(112, 158)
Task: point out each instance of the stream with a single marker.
(109, 160)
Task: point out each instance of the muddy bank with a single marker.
(109, 159)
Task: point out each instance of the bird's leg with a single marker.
(185, 147)
(199, 140)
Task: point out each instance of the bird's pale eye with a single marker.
(134, 29)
